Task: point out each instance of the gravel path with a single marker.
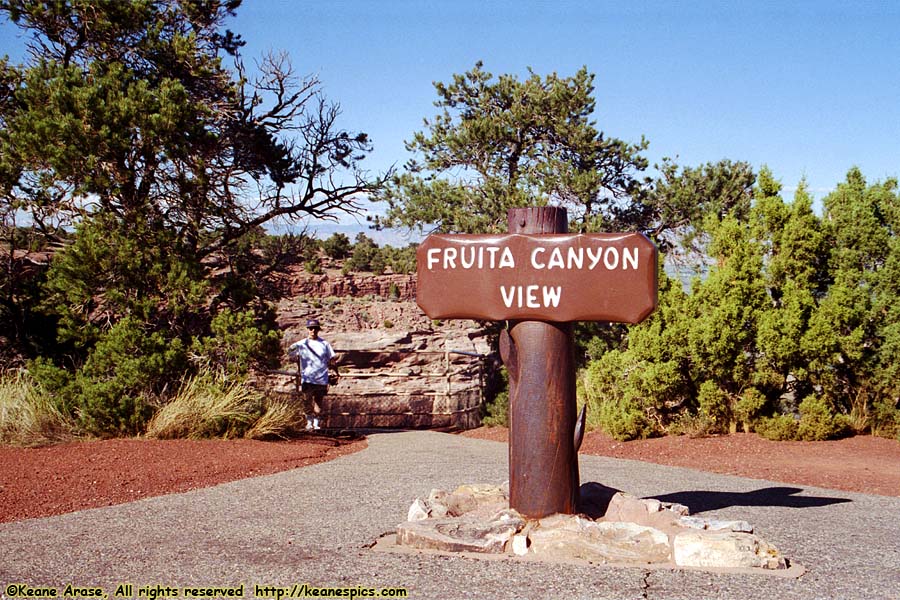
(315, 525)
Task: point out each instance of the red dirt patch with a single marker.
(39, 482)
(865, 464)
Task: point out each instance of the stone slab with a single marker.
(475, 518)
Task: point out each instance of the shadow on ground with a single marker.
(702, 501)
(594, 499)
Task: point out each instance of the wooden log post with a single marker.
(539, 279)
(539, 356)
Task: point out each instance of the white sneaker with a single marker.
(316, 424)
(309, 424)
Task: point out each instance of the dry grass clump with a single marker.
(208, 405)
(28, 416)
(279, 421)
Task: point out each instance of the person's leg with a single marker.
(313, 395)
(318, 403)
(310, 408)
(321, 400)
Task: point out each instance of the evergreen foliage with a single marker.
(500, 143)
(238, 343)
(337, 246)
(313, 266)
(497, 411)
(365, 256)
(676, 207)
(820, 421)
(792, 334)
(137, 125)
(778, 428)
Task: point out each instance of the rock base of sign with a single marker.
(611, 528)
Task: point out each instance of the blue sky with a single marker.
(809, 88)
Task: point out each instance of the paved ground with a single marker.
(315, 525)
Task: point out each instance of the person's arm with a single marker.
(332, 360)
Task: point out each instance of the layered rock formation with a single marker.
(353, 285)
(399, 368)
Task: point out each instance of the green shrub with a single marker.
(239, 342)
(885, 419)
(623, 421)
(125, 269)
(818, 421)
(777, 428)
(337, 246)
(313, 266)
(365, 251)
(55, 382)
(497, 411)
(401, 260)
(378, 264)
(691, 425)
(388, 324)
(714, 411)
(749, 407)
(125, 374)
(611, 399)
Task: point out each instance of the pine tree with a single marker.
(502, 143)
(138, 124)
(795, 276)
(842, 340)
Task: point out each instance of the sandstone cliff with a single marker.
(399, 367)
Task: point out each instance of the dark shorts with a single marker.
(314, 389)
(312, 395)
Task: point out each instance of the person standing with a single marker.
(315, 357)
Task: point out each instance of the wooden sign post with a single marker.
(540, 279)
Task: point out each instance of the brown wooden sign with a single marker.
(544, 277)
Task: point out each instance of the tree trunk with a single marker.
(543, 461)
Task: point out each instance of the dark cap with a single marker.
(313, 324)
